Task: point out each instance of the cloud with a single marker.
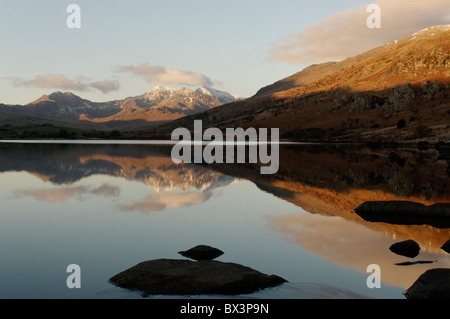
(106, 86)
(52, 81)
(161, 75)
(59, 81)
(346, 34)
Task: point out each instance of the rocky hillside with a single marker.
(317, 72)
(397, 92)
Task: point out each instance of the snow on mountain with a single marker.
(184, 100)
(421, 34)
(222, 96)
(158, 94)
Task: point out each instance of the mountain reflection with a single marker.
(64, 164)
(324, 181)
(328, 182)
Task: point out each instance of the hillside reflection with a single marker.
(332, 180)
(328, 182)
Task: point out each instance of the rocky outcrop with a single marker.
(361, 101)
(401, 95)
(408, 248)
(185, 277)
(405, 213)
(432, 284)
(431, 90)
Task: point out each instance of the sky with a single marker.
(124, 48)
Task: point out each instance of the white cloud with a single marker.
(346, 34)
(161, 75)
(106, 86)
(59, 81)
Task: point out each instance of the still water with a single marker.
(108, 207)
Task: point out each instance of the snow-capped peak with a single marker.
(222, 96)
(161, 90)
(158, 94)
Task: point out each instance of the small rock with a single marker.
(432, 284)
(408, 248)
(202, 252)
(405, 213)
(446, 246)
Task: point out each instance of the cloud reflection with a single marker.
(162, 201)
(61, 194)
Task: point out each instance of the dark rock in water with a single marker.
(408, 248)
(202, 252)
(446, 246)
(432, 284)
(185, 277)
(409, 263)
(405, 213)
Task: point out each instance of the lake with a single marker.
(107, 207)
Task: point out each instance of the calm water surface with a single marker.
(109, 207)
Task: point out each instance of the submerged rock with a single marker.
(432, 284)
(446, 246)
(202, 252)
(405, 213)
(185, 277)
(409, 263)
(408, 248)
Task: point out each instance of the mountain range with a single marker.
(395, 92)
(158, 105)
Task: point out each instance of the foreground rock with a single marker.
(405, 213)
(408, 248)
(432, 284)
(202, 252)
(185, 277)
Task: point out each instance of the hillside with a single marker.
(396, 92)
